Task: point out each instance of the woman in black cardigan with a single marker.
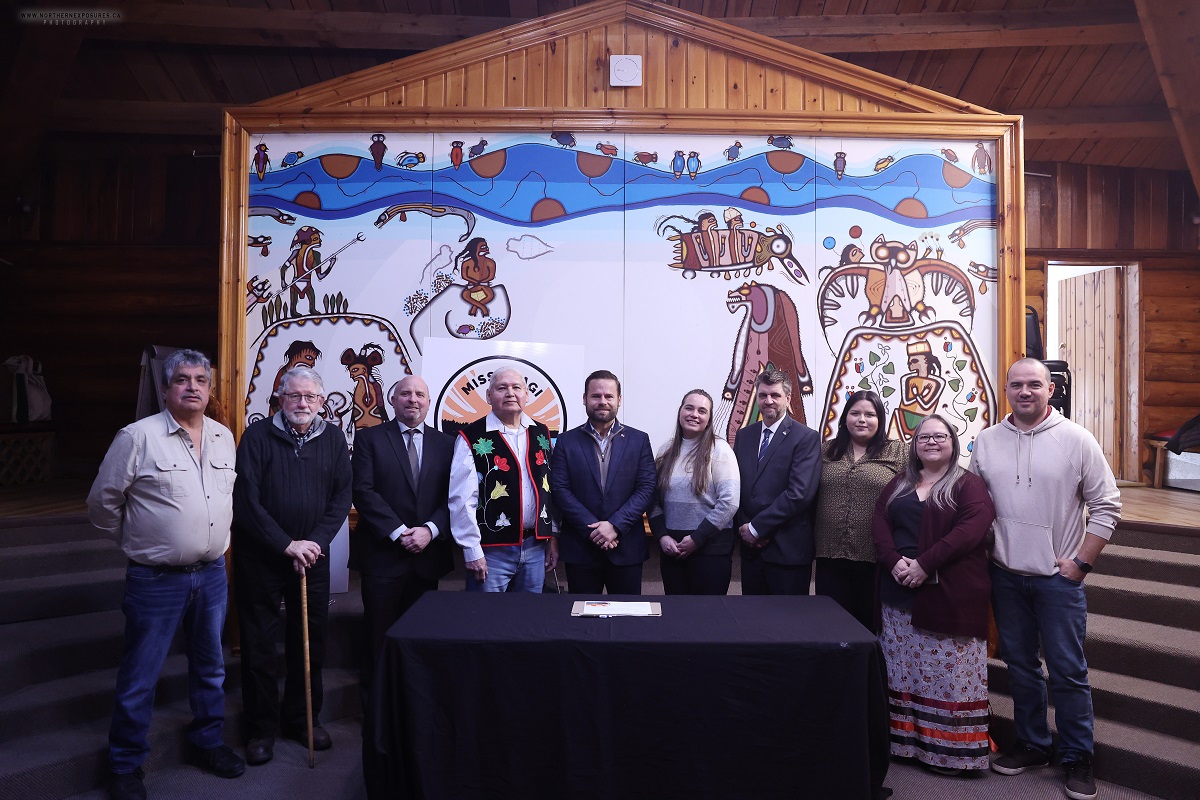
(931, 527)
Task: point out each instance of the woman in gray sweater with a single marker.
(698, 490)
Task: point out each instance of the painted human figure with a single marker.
(740, 245)
(306, 264)
(712, 248)
(300, 353)
(478, 270)
(368, 409)
(922, 387)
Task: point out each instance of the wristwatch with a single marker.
(1084, 566)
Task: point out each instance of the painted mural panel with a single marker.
(677, 261)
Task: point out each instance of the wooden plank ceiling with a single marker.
(1081, 71)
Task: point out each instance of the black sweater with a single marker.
(284, 494)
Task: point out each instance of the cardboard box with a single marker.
(1183, 471)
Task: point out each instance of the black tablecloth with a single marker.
(509, 696)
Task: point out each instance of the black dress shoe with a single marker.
(321, 737)
(220, 761)
(260, 751)
(127, 786)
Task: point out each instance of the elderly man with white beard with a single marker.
(291, 498)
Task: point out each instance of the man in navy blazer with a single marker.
(402, 543)
(602, 479)
(780, 464)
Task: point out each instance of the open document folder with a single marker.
(606, 608)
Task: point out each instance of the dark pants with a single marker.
(593, 580)
(854, 585)
(696, 574)
(761, 577)
(385, 599)
(260, 585)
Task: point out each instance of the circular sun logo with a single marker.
(464, 397)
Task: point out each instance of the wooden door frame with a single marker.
(1129, 401)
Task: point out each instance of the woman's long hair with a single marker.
(700, 459)
(942, 493)
(841, 442)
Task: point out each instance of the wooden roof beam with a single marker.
(254, 27)
(1104, 122)
(1172, 30)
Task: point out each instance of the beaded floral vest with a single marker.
(500, 501)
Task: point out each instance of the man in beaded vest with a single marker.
(500, 493)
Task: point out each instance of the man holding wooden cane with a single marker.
(291, 498)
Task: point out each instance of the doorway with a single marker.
(1088, 309)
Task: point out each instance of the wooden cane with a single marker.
(312, 758)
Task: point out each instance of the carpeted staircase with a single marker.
(60, 619)
(61, 585)
(1143, 650)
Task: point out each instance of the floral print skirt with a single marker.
(937, 694)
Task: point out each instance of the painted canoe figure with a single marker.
(478, 270)
(731, 252)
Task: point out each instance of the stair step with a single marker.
(1149, 601)
(56, 764)
(1157, 537)
(1144, 650)
(47, 596)
(31, 561)
(49, 649)
(1150, 705)
(1164, 766)
(1149, 565)
(25, 531)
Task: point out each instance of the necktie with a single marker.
(762, 451)
(414, 461)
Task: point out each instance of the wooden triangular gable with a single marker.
(690, 63)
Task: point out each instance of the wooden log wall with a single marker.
(1170, 341)
(1093, 213)
(1113, 215)
(120, 253)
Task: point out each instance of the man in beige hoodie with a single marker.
(1043, 471)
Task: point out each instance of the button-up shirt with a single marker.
(166, 505)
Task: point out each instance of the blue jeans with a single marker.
(1051, 611)
(156, 603)
(518, 568)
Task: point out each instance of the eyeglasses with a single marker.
(296, 397)
(925, 438)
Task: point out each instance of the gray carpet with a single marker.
(338, 776)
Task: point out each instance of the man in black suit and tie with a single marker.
(602, 480)
(402, 544)
(780, 464)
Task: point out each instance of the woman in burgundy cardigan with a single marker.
(931, 529)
